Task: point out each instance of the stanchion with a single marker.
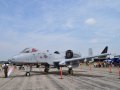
(61, 73)
(90, 67)
(110, 69)
(80, 66)
(119, 73)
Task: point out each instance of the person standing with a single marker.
(6, 70)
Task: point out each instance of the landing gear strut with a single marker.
(28, 70)
(46, 68)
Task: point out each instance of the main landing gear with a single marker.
(46, 68)
(28, 69)
(70, 70)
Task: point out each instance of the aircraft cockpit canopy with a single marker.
(28, 50)
(56, 52)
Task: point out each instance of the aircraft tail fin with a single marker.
(105, 50)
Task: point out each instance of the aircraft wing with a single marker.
(81, 58)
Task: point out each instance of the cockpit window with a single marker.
(26, 50)
(29, 50)
(56, 52)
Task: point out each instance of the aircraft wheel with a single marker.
(70, 71)
(46, 70)
(37, 66)
(27, 74)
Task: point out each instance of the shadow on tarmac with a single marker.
(57, 73)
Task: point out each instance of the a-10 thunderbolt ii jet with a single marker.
(32, 56)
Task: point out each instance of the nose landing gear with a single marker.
(46, 70)
(70, 70)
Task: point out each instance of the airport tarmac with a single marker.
(84, 78)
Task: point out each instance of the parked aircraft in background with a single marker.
(114, 61)
(57, 59)
(103, 57)
(116, 56)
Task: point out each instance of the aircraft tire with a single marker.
(27, 74)
(37, 66)
(70, 71)
(46, 70)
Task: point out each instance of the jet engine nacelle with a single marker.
(70, 54)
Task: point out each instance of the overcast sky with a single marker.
(59, 25)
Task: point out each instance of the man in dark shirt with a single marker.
(6, 71)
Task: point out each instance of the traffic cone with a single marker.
(61, 73)
(90, 67)
(119, 73)
(110, 69)
(80, 66)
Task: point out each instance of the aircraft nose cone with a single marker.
(13, 59)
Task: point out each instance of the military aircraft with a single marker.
(33, 56)
(114, 61)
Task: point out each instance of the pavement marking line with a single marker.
(57, 83)
(85, 84)
(102, 84)
(1, 86)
